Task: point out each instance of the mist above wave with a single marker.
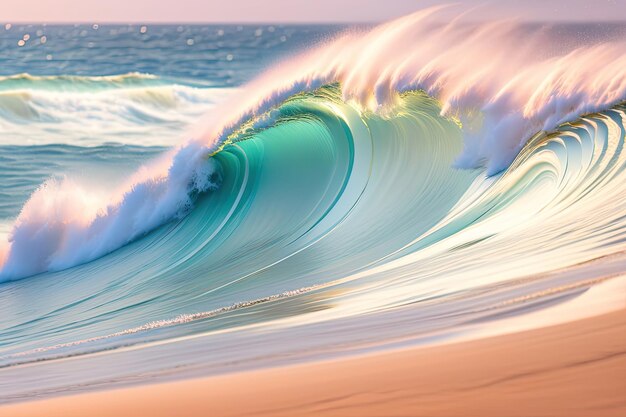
(504, 81)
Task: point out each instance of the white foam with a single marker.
(63, 224)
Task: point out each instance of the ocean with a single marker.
(190, 200)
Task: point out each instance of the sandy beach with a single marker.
(573, 369)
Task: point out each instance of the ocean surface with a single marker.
(165, 213)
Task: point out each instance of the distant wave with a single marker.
(20, 106)
(94, 110)
(78, 82)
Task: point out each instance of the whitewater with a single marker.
(417, 182)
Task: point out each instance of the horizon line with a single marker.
(268, 22)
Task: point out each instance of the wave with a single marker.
(500, 93)
(96, 110)
(388, 228)
(78, 82)
(26, 106)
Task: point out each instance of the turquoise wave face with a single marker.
(299, 204)
(332, 230)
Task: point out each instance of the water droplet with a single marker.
(258, 32)
(21, 42)
(283, 38)
(143, 29)
(43, 39)
(26, 37)
(220, 32)
(95, 26)
(48, 57)
(189, 42)
(7, 26)
(229, 57)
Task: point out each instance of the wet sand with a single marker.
(572, 369)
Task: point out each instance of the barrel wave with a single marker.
(380, 197)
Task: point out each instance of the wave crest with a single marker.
(504, 81)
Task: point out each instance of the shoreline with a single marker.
(572, 369)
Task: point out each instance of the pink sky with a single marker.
(291, 10)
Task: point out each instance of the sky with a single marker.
(296, 11)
